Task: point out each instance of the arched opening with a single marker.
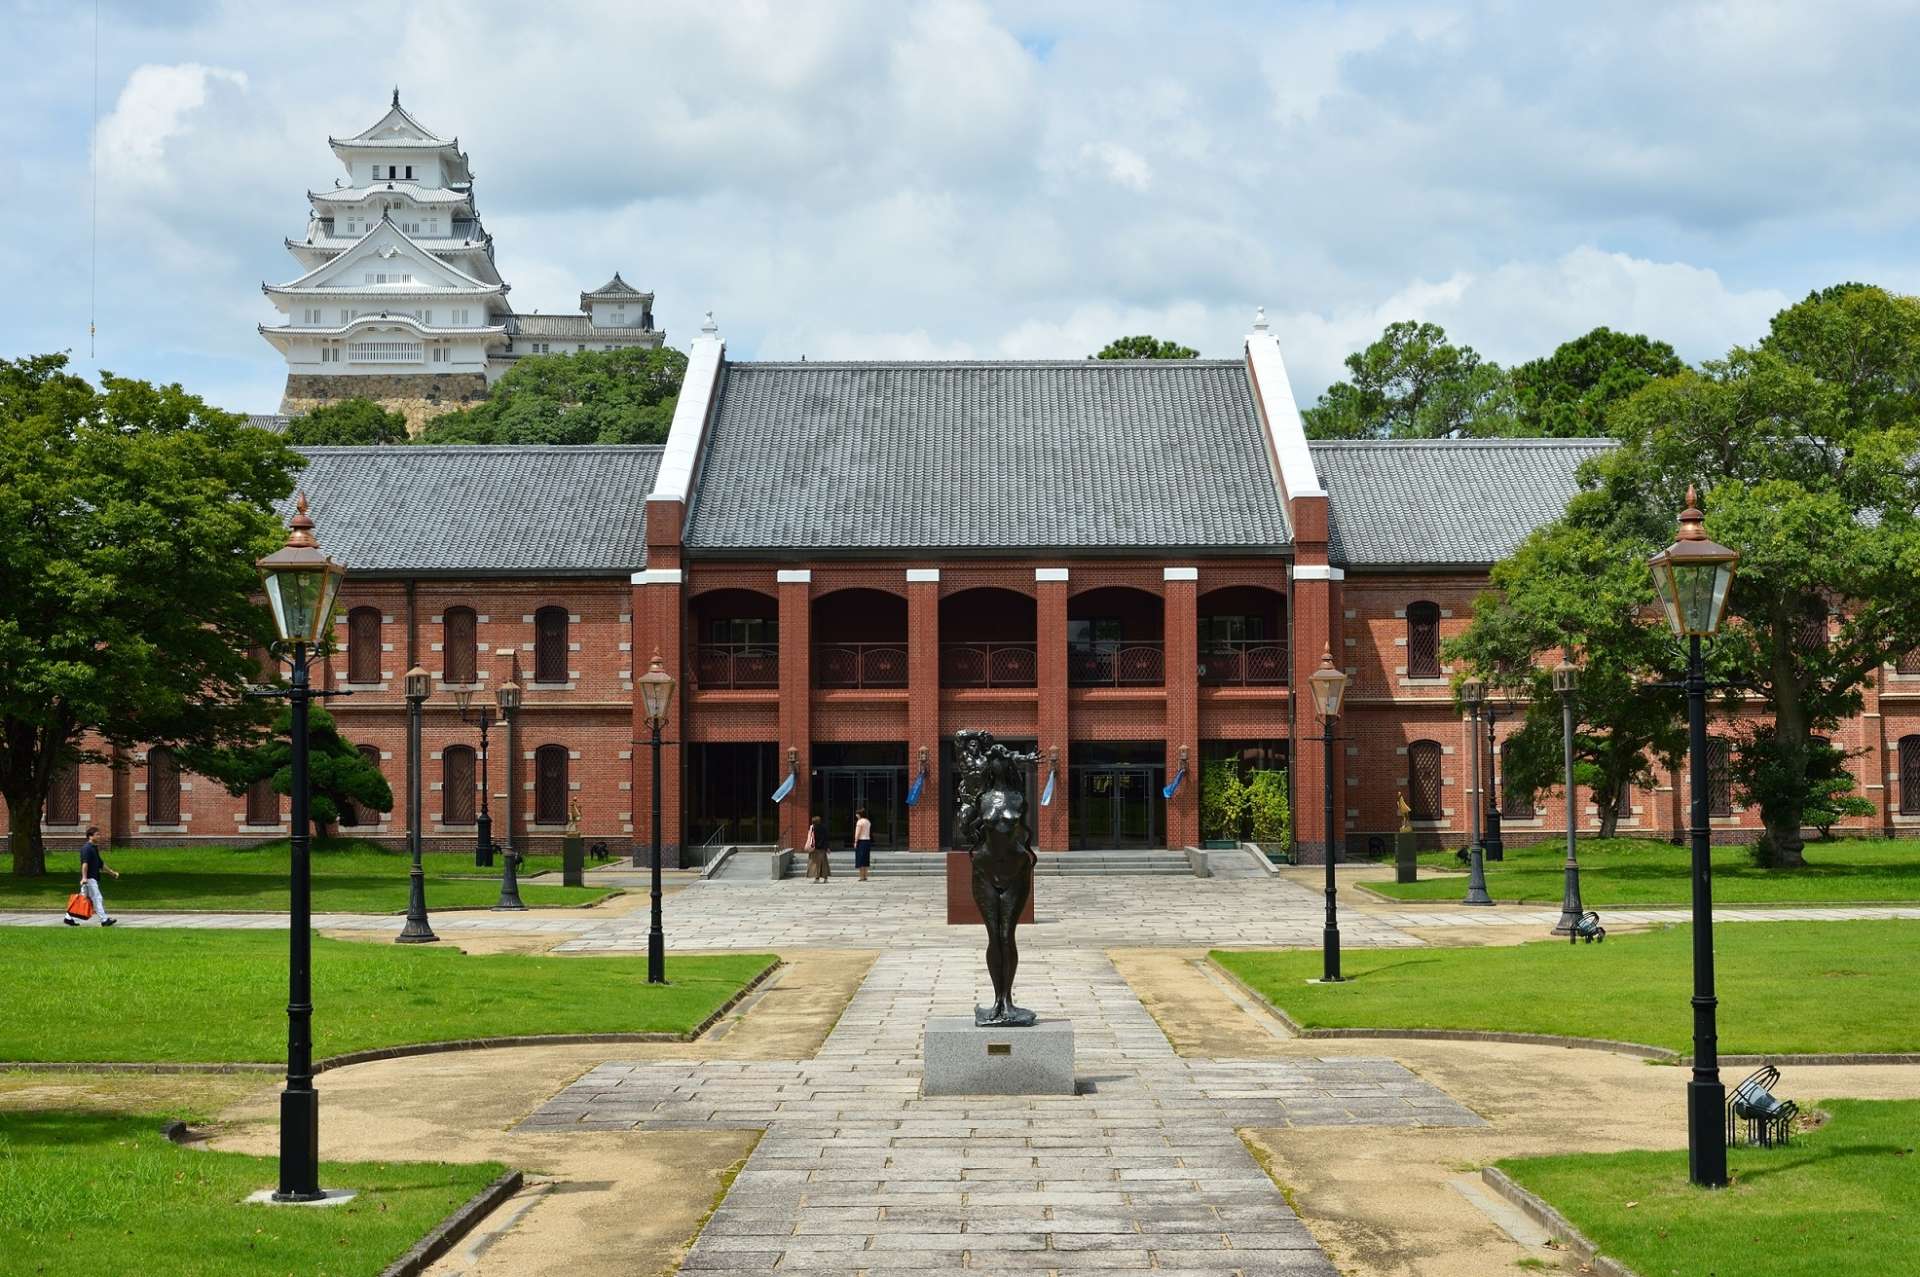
(63, 799)
(1115, 638)
(1423, 640)
(736, 640)
(1243, 637)
(859, 639)
(363, 645)
(550, 785)
(163, 787)
(456, 785)
(1425, 784)
(459, 646)
(987, 639)
(1910, 775)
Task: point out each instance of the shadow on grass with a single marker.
(28, 1128)
(1814, 1157)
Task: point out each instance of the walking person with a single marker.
(91, 867)
(862, 842)
(819, 869)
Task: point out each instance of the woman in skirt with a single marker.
(862, 843)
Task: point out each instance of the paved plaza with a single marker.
(1142, 1171)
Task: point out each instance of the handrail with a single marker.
(735, 666)
(1244, 662)
(1116, 663)
(989, 664)
(860, 665)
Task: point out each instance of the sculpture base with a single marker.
(963, 1058)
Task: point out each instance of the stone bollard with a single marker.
(1405, 857)
(573, 861)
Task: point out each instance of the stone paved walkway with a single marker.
(1141, 1172)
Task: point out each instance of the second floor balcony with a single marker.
(736, 667)
(1243, 663)
(1116, 663)
(869, 666)
(989, 665)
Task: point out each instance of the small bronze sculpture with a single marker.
(991, 823)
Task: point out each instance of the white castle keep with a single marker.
(401, 300)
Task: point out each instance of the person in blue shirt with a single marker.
(91, 867)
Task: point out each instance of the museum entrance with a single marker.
(847, 778)
(1117, 800)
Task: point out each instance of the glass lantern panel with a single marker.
(1694, 587)
(295, 597)
(329, 595)
(1663, 586)
(1722, 584)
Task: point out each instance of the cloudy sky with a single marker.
(957, 178)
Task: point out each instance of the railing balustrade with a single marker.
(736, 666)
(860, 665)
(989, 664)
(1116, 663)
(1243, 663)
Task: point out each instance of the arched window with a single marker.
(363, 645)
(550, 785)
(1810, 628)
(1423, 640)
(1517, 799)
(63, 800)
(456, 785)
(550, 645)
(1909, 662)
(163, 787)
(459, 652)
(263, 802)
(362, 815)
(1423, 780)
(1910, 775)
(1719, 777)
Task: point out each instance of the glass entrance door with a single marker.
(1118, 807)
(839, 793)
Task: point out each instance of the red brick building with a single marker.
(1126, 566)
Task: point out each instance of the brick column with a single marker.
(120, 815)
(923, 704)
(1050, 635)
(1181, 621)
(1316, 629)
(796, 701)
(657, 609)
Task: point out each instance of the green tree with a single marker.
(594, 396)
(1145, 347)
(1580, 583)
(1414, 384)
(130, 516)
(1808, 447)
(338, 775)
(356, 422)
(1267, 805)
(1566, 395)
(1224, 801)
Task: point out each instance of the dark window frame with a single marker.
(1719, 776)
(163, 787)
(551, 773)
(459, 777)
(1910, 775)
(63, 799)
(1427, 793)
(460, 646)
(1423, 639)
(363, 645)
(550, 645)
(263, 802)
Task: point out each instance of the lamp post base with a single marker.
(299, 1146)
(1477, 879)
(510, 885)
(416, 932)
(1707, 1133)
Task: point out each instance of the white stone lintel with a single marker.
(659, 576)
(922, 575)
(1318, 572)
(793, 576)
(1179, 574)
(1049, 574)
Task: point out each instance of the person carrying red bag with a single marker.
(91, 867)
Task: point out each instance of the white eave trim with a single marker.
(1279, 411)
(659, 576)
(674, 481)
(1318, 572)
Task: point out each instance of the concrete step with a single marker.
(919, 864)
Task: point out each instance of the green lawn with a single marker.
(1843, 1201)
(348, 877)
(102, 1195)
(1639, 871)
(220, 996)
(1784, 987)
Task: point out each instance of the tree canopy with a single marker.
(1414, 384)
(1145, 347)
(339, 777)
(130, 517)
(592, 396)
(1566, 395)
(355, 422)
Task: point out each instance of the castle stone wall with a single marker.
(419, 397)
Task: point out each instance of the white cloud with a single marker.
(154, 108)
(1120, 165)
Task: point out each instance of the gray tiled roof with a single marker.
(616, 287)
(577, 327)
(1444, 502)
(1080, 454)
(473, 510)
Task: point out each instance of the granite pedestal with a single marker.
(963, 1058)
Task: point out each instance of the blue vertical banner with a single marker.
(913, 790)
(1046, 795)
(1173, 786)
(786, 787)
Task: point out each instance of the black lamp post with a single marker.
(1496, 849)
(656, 693)
(1693, 578)
(1472, 692)
(1566, 681)
(301, 586)
(417, 931)
(484, 719)
(1329, 687)
(508, 695)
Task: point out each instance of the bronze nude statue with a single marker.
(991, 822)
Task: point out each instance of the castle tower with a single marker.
(400, 300)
